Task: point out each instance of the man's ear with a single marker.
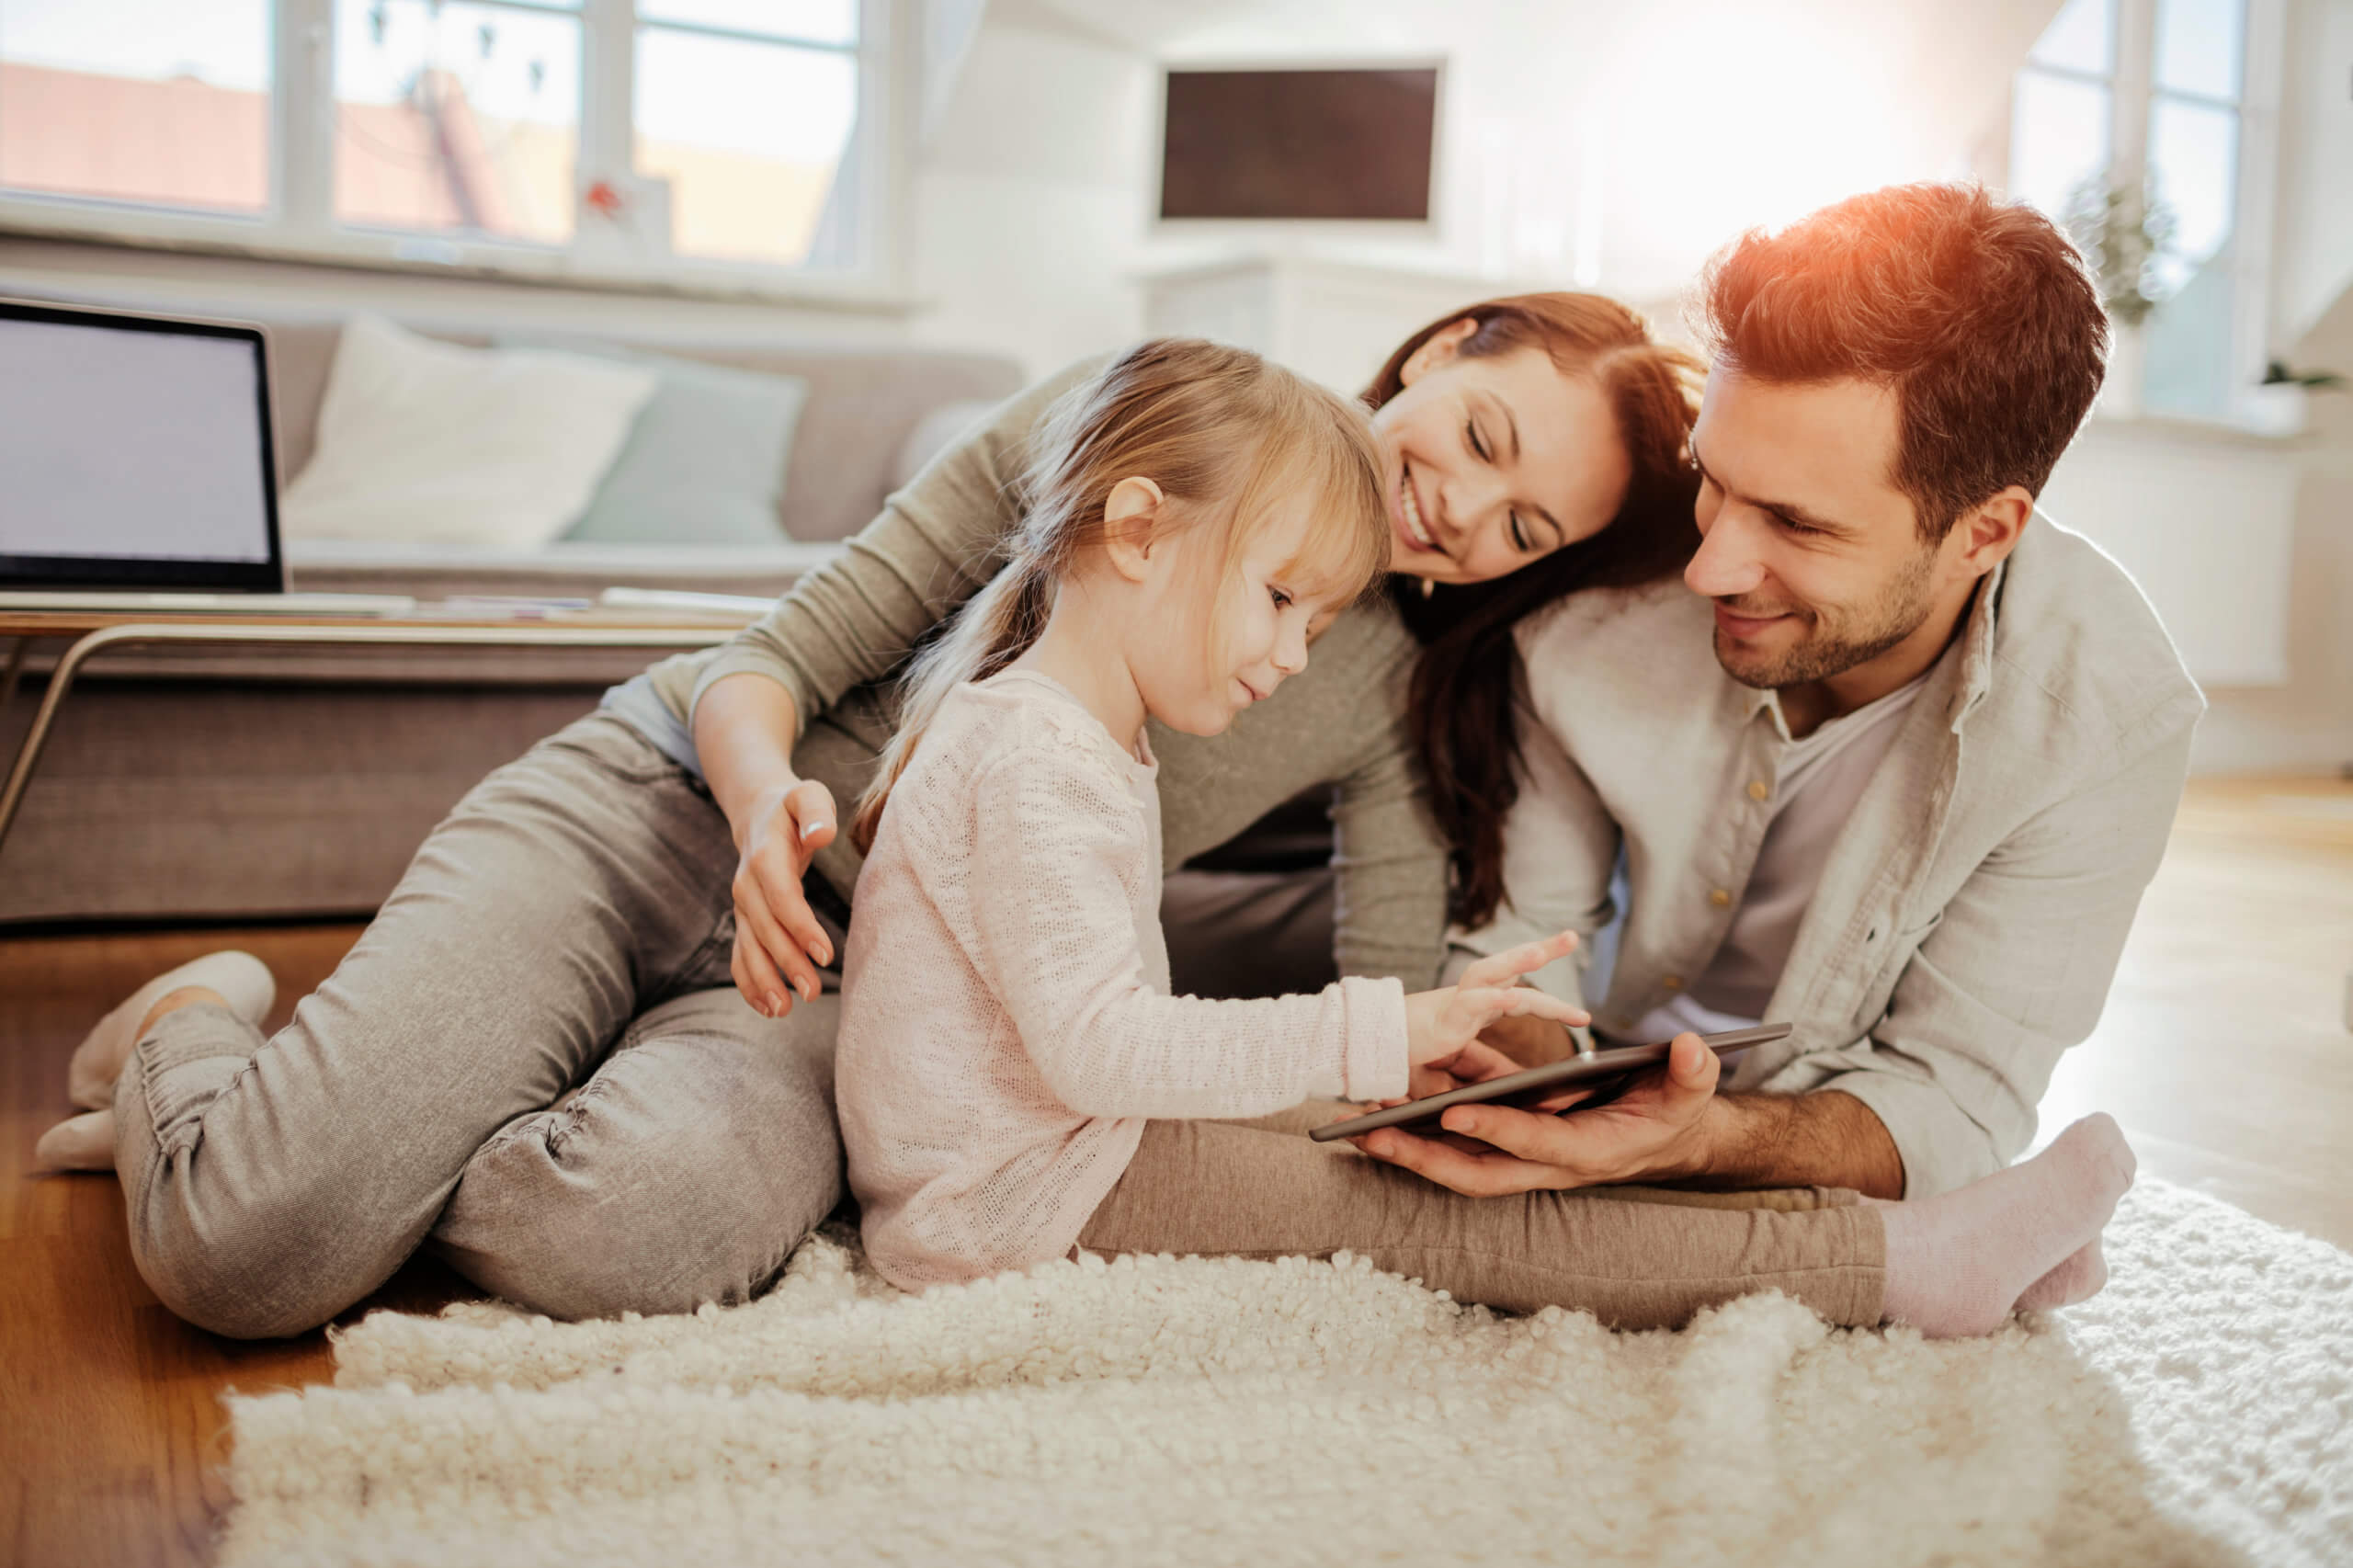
(1440, 347)
(1132, 525)
(1987, 532)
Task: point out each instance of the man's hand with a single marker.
(1670, 1127)
(778, 940)
(1657, 1131)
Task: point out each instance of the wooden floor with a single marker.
(2224, 1052)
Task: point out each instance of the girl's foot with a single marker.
(85, 1142)
(243, 980)
(1958, 1262)
(2082, 1277)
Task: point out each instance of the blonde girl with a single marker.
(1015, 1080)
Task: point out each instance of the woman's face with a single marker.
(1495, 461)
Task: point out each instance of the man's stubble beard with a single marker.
(1821, 655)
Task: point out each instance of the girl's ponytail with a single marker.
(994, 628)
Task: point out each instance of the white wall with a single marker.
(1029, 205)
(2305, 723)
(2312, 257)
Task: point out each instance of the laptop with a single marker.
(136, 471)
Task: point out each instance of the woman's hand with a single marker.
(778, 944)
(1442, 1027)
(743, 729)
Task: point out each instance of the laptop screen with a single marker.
(135, 452)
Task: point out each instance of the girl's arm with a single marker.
(1063, 844)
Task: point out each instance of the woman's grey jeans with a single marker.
(534, 1058)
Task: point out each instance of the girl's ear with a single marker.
(1438, 349)
(1131, 525)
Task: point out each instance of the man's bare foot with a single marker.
(2082, 1277)
(238, 980)
(1958, 1262)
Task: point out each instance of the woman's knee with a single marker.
(641, 1195)
(251, 1265)
(241, 1237)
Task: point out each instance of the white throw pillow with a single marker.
(496, 449)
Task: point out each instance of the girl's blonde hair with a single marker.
(1224, 434)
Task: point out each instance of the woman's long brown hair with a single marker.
(1468, 685)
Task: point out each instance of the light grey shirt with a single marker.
(1967, 919)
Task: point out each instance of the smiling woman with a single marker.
(1536, 445)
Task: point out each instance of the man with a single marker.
(1893, 763)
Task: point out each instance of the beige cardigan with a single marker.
(1970, 915)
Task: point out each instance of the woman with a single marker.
(535, 1056)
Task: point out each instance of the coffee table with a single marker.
(91, 634)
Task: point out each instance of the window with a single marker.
(169, 106)
(2172, 95)
(736, 143)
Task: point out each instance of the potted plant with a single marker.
(2125, 231)
(2275, 406)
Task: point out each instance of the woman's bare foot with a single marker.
(1958, 1263)
(85, 1143)
(239, 980)
(2082, 1277)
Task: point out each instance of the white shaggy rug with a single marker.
(1201, 1412)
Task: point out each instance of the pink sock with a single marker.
(1958, 1263)
(2082, 1277)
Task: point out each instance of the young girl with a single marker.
(1008, 1039)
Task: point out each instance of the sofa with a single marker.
(264, 785)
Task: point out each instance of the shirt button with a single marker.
(1720, 897)
(1758, 789)
(1671, 981)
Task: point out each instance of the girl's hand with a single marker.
(778, 944)
(1443, 1026)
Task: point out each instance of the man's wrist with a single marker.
(1706, 1155)
(1825, 1139)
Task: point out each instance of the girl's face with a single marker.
(1242, 634)
(1493, 461)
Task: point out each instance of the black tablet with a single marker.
(1606, 1072)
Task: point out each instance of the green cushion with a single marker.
(704, 463)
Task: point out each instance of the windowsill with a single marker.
(525, 268)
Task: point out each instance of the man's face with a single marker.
(1811, 554)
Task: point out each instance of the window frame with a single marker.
(2133, 96)
(298, 223)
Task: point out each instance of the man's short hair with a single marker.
(1981, 316)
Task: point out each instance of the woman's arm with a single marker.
(855, 618)
(1389, 860)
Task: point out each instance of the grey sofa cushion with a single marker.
(704, 463)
